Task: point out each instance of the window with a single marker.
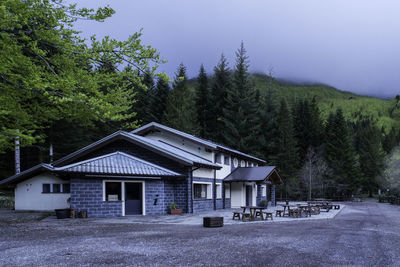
(46, 188)
(218, 158)
(252, 164)
(113, 191)
(200, 191)
(56, 188)
(242, 163)
(226, 160)
(235, 162)
(66, 188)
(218, 189)
(247, 164)
(227, 191)
(264, 190)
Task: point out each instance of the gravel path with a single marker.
(363, 234)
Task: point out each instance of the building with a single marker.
(142, 172)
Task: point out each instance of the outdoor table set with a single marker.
(254, 213)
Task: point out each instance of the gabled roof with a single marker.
(254, 174)
(158, 147)
(207, 143)
(29, 172)
(118, 163)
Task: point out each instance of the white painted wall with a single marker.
(225, 171)
(237, 195)
(204, 173)
(29, 196)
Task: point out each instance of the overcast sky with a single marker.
(353, 45)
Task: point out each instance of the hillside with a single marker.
(385, 112)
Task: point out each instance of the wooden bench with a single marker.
(268, 215)
(238, 214)
(294, 213)
(278, 213)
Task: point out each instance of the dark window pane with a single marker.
(113, 191)
(46, 188)
(200, 191)
(56, 188)
(66, 188)
(218, 158)
(226, 160)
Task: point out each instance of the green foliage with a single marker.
(221, 84)
(339, 152)
(179, 111)
(240, 111)
(48, 73)
(159, 100)
(371, 155)
(203, 105)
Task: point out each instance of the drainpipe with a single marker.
(17, 156)
(215, 191)
(189, 195)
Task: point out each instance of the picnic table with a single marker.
(286, 209)
(254, 211)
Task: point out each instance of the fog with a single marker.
(351, 45)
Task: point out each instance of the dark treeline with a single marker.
(336, 157)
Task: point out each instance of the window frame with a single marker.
(218, 158)
(227, 160)
(242, 163)
(218, 190)
(208, 190)
(235, 162)
(105, 191)
(43, 191)
(227, 190)
(55, 185)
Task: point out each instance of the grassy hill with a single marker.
(355, 107)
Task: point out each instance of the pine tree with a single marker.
(371, 155)
(287, 152)
(179, 112)
(241, 127)
(339, 152)
(390, 141)
(203, 104)
(144, 99)
(303, 127)
(159, 100)
(221, 85)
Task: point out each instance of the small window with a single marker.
(226, 160)
(247, 164)
(56, 188)
(218, 189)
(227, 191)
(242, 163)
(218, 158)
(252, 164)
(66, 188)
(113, 191)
(235, 162)
(263, 190)
(200, 191)
(46, 188)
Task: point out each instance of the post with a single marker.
(309, 196)
(17, 156)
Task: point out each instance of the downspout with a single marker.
(215, 191)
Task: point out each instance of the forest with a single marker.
(60, 92)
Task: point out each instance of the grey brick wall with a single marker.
(200, 205)
(155, 197)
(88, 195)
(273, 200)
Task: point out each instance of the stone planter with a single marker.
(175, 211)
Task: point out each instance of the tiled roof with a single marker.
(207, 143)
(254, 174)
(118, 163)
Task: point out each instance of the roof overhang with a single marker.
(261, 175)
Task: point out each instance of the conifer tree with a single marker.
(159, 100)
(203, 104)
(179, 112)
(241, 108)
(390, 141)
(221, 85)
(144, 99)
(371, 154)
(339, 152)
(287, 152)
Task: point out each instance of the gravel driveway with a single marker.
(363, 234)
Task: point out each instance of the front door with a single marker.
(133, 198)
(249, 195)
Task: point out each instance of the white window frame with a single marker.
(264, 190)
(123, 193)
(227, 190)
(235, 162)
(242, 163)
(218, 190)
(209, 190)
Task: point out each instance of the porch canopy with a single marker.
(261, 174)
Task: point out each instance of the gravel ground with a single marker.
(363, 234)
